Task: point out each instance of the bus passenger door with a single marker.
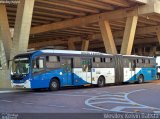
(86, 69)
(67, 66)
(38, 73)
(132, 67)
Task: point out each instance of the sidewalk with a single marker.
(5, 81)
(9, 91)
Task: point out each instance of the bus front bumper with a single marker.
(26, 84)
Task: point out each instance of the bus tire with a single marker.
(101, 81)
(140, 79)
(54, 85)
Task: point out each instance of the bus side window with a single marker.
(96, 62)
(94, 59)
(89, 65)
(102, 60)
(86, 65)
(38, 65)
(35, 63)
(137, 61)
(97, 59)
(63, 64)
(146, 61)
(143, 60)
(152, 63)
(130, 66)
(77, 62)
(52, 62)
(134, 64)
(41, 63)
(149, 61)
(108, 60)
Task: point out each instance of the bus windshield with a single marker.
(20, 66)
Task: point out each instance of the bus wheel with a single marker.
(101, 81)
(140, 79)
(54, 85)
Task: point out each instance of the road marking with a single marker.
(92, 102)
(110, 98)
(56, 106)
(114, 95)
(102, 92)
(6, 100)
(27, 103)
(110, 102)
(119, 108)
(91, 109)
(135, 91)
(10, 91)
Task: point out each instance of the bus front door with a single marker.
(67, 66)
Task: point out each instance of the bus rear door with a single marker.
(132, 67)
(86, 68)
(82, 70)
(129, 69)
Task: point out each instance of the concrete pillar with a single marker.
(107, 37)
(4, 72)
(85, 45)
(71, 45)
(5, 36)
(129, 34)
(22, 26)
(0, 56)
(3, 56)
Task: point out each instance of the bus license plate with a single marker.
(18, 86)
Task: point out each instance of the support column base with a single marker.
(5, 82)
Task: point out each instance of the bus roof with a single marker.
(137, 56)
(72, 52)
(48, 51)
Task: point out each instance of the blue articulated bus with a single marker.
(53, 69)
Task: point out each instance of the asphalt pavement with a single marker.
(126, 98)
